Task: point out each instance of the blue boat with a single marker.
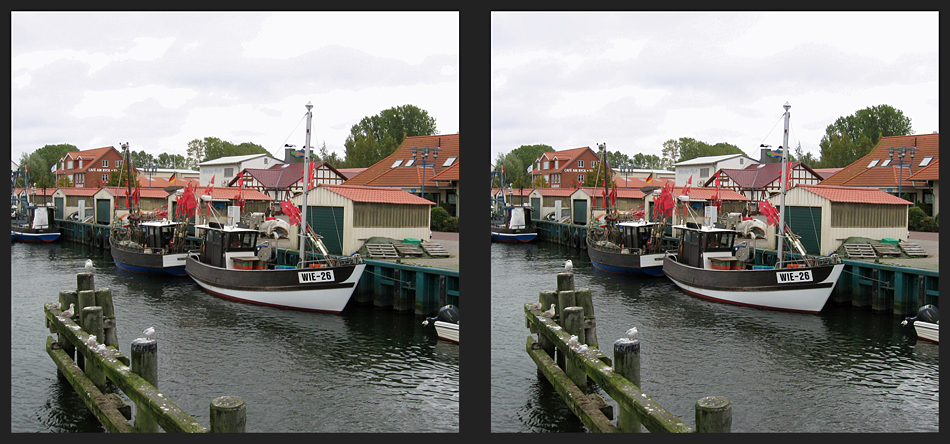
(37, 225)
(516, 227)
(154, 247)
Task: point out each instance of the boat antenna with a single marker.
(306, 188)
(781, 213)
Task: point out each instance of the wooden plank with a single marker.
(434, 249)
(408, 249)
(382, 251)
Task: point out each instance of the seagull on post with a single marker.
(549, 313)
(68, 313)
(89, 266)
(569, 266)
(632, 332)
(148, 333)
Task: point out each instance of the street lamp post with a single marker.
(424, 151)
(901, 152)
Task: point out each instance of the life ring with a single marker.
(576, 240)
(566, 236)
(98, 241)
(89, 236)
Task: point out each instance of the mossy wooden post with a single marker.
(627, 364)
(228, 414)
(85, 281)
(86, 298)
(713, 415)
(582, 298)
(145, 364)
(565, 299)
(546, 298)
(66, 298)
(573, 323)
(565, 281)
(92, 324)
(104, 300)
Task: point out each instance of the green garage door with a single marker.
(580, 212)
(328, 222)
(103, 212)
(536, 208)
(805, 222)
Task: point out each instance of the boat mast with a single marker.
(306, 187)
(781, 213)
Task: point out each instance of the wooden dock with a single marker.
(566, 354)
(87, 363)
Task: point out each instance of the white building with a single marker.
(223, 169)
(702, 168)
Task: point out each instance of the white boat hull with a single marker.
(927, 331)
(447, 331)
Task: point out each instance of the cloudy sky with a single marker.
(635, 80)
(159, 80)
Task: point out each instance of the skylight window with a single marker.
(449, 162)
(410, 162)
(886, 162)
(926, 161)
(873, 162)
(396, 163)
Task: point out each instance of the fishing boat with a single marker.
(510, 223)
(235, 263)
(37, 225)
(447, 331)
(516, 227)
(446, 323)
(622, 242)
(145, 243)
(705, 266)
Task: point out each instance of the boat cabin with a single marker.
(700, 243)
(221, 245)
(159, 234)
(635, 235)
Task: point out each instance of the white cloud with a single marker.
(113, 103)
(624, 49)
(22, 80)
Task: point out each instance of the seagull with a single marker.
(582, 349)
(91, 340)
(573, 343)
(569, 266)
(535, 306)
(68, 313)
(55, 306)
(101, 349)
(632, 332)
(88, 265)
(149, 332)
(549, 313)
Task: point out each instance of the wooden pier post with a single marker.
(228, 414)
(627, 364)
(92, 324)
(583, 298)
(565, 299)
(85, 298)
(565, 281)
(546, 298)
(878, 300)
(104, 300)
(85, 281)
(573, 323)
(66, 298)
(145, 364)
(713, 415)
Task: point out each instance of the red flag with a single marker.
(613, 195)
(788, 175)
(688, 186)
(769, 211)
(240, 181)
(291, 211)
(210, 186)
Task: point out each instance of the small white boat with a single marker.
(925, 330)
(447, 331)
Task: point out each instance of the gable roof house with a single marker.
(565, 168)
(879, 170)
(89, 168)
(702, 168)
(400, 170)
(283, 181)
(759, 181)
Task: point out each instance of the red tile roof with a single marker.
(143, 192)
(70, 191)
(928, 145)
(846, 194)
(375, 194)
(929, 172)
(450, 173)
(565, 159)
(383, 174)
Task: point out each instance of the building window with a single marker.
(396, 163)
(545, 165)
(69, 164)
(886, 162)
(449, 162)
(105, 177)
(410, 162)
(118, 163)
(228, 172)
(925, 161)
(704, 172)
(105, 164)
(580, 163)
(873, 162)
(580, 178)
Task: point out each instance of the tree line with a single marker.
(845, 141)
(371, 140)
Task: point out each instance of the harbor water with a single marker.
(843, 370)
(365, 370)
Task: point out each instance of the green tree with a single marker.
(195, 152)
(671, 151)
(376, 137)
(141, 159)
(650, 161)
(851, 137)
(328, 157)
(40, 163)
